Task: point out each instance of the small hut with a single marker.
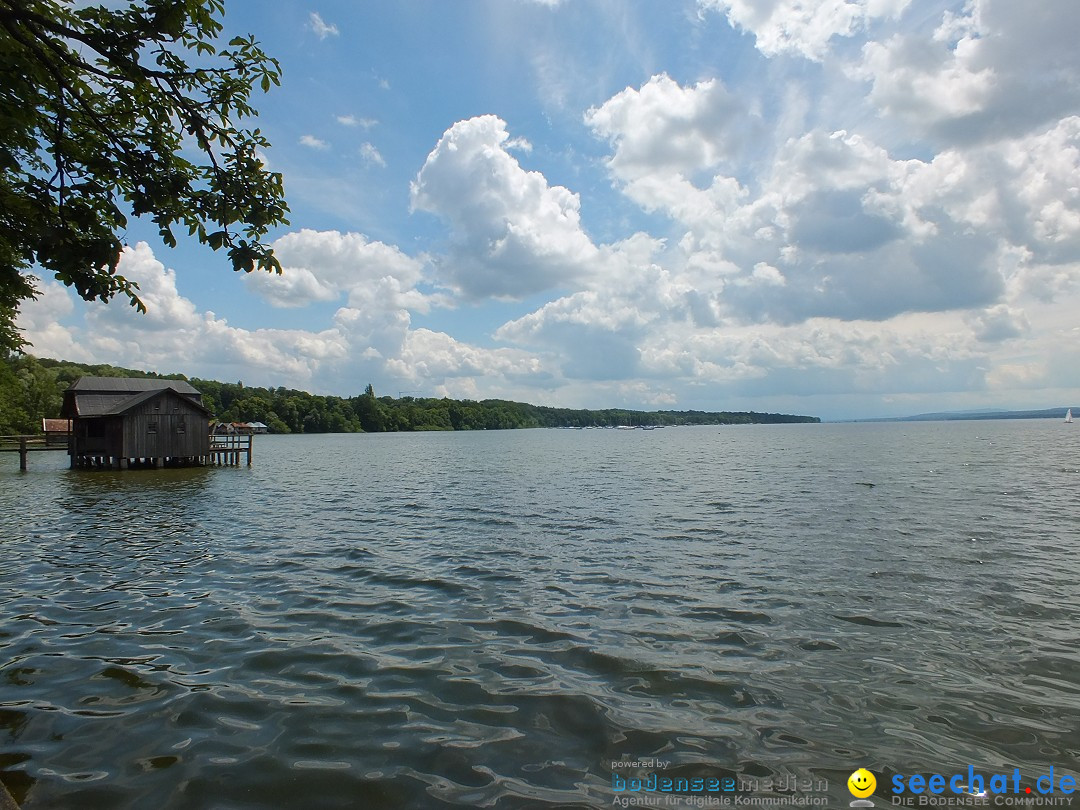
(121, 422)
(57, 431)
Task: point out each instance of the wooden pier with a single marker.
(226, 450)
(24, 445)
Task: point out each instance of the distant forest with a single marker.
(32, 388)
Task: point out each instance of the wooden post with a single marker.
(251, 443)
(7, 801)
(22, 453)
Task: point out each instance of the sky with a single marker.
(842, 208)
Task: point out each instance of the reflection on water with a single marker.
(492, 619)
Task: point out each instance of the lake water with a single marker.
(506, 619)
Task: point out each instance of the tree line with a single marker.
(32, 389)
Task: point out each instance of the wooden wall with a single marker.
(165, 426)
(103, 436)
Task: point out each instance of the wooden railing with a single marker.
(225, 448)
(25, 443)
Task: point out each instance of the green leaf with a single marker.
(104, 99)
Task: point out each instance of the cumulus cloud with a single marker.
(996, 69)
(325, 265)
(1044, 170)
(427, 355)
(166, 309)
(665, 136)
(370, 338)
(1000, 322)
(40, 321)
(839, 268)
(513, 234)
(833, 230)
(596, 333)
(802, 26)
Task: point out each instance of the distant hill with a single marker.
(967, 416)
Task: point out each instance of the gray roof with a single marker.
(112, 396)
(98, 404)
(129, 385)
(114, 405)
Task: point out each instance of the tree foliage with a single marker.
(31, 389)
(109, 112)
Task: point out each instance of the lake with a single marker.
(529, 618)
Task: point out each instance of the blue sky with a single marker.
(837, 207)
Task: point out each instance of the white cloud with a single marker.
(767, 274)
(166, 309)
(665, 136)
(324, 265)
(353, 121)
(371, 155)
(312, 142)
(834, 218)
(997, 69)
(838, 270)
(513, 234)
(321, 28)
(427, 355)
(802, 26)
(370, 338)
(836, 227)
(40, 322)
(1045, 172)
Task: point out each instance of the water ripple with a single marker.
(492, 619)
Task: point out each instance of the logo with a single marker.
(861, 784)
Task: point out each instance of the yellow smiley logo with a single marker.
(861, 783)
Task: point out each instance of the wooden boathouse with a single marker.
(130, 422)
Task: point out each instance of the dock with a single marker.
(226, 450)
(24, 445)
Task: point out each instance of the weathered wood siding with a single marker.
(103, 436)
(167, 426)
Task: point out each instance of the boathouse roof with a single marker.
(131, 385)
(113, 396)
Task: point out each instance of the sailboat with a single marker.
(1068, 417)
